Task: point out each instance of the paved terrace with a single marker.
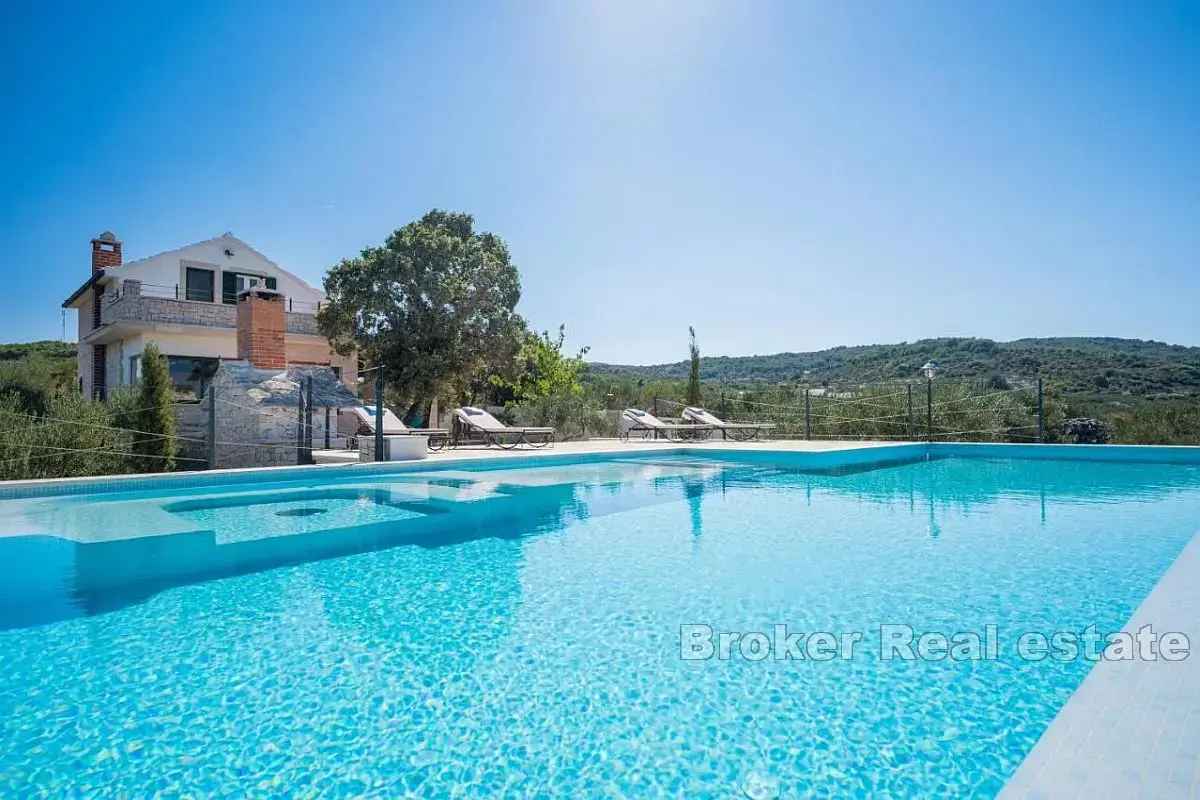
(609, 446)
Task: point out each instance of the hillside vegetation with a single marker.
(1098, 366)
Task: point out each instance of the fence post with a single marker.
(807, 416)
(326, 427)
(929, 409)
(177, 291)
(911, 433)
(1041, 414)
(655, 412)
(308, 426)
(379, 413)
(300, 423)
(212, 426)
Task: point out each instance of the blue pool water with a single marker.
(495, 632)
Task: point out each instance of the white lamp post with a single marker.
(930, 369)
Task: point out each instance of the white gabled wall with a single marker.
(167, 269)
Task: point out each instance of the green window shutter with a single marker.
(229, 288)
(271, 284)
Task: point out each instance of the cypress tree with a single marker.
(693, 385)
(154, 442)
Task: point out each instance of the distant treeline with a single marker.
(1097, 366)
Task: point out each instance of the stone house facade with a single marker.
(185, 300)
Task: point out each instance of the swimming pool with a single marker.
(509, 628)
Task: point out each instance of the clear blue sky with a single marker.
(781, 175)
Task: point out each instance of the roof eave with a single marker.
(78, 293)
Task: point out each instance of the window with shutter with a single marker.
(229, 288)
(198, 284)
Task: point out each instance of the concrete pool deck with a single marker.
(609, 446)
(597, 446)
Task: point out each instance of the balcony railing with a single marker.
(177, 292)
(133, 302)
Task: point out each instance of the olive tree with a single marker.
(430, 305)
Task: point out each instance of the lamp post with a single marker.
(930, 369)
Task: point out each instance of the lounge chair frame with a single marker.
(439, 438)
(466, 431)
(737, 431)
(664, 430)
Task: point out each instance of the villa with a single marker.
(189, 301)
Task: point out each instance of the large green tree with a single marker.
(155, 437)
(432, 305)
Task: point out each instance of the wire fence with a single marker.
(926, 411)
(71, 438)
(75, 439)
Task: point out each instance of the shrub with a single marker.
(1165, 422)
(73, 439)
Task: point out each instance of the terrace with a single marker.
(131, 306)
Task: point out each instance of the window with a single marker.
(190, 375)
(198, 284)
(135, 369)
(234, 283)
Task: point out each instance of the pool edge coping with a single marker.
(849, 452)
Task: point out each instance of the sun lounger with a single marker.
(362, 420)
(475, 424)
(738, 431)
(648, 426)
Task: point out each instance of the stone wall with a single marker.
(130, 306)
(192, 422)
(254, 435)
(304, 324)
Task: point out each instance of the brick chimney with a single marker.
(260, 329)
(106, 252)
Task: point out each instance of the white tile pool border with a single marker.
(1132, 728)
(815, 455)
(812, 454)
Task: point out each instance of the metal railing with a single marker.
(178, 292)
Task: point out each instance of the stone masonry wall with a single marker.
(192, 422)
(131, 306)
(252, 435)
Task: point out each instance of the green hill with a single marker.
(49, 348)
(35, 371)
(1100, 366)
